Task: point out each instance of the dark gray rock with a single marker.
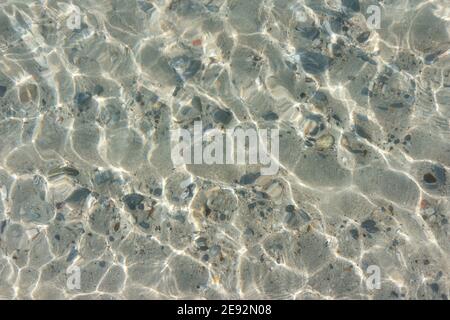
(72, 254)
(2, 91)
(98, 89)
(351, 4)
(133, 200)
(82, 100)
(363, 37)
(308, 32)
(249, 178)
(314, 62)
(157, 192)
(222, 116)
(354, 233)
(370, 226)
(103, 177)
(78, 195)
(145, 6)
(201, 244)
(270, 116)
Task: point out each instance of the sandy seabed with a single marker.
(92, 206)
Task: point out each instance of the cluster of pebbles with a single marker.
(86, 177)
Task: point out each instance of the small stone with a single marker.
(397, 105)
(144, 225)
(365, 91)
(28, 93)
(360, 131)
(157, 192)
(222, 116)
(78, 195)
(197, 42)
(370, 226)
(59, 217)
(215, 250)
(439, 173)
(2, 91)
(308, 32)
(290, 208)
(435, 287)
(82, 99)
(249, 232)
(314, 62)
(249, 178)
(133, 200)
(270, 116)
(201, 244)
(363, 37)
(429, 178)
(98, 89)
(2, 226)
(304, 215)
(319, 99)
(66, 170)
(212, 8)
(351, 4)
(146, 6)
(354, 233)
(72, 254)
(192, 69)
(325, 142)
(102, 177)
(274, 190)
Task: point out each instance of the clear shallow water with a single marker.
(87, 183)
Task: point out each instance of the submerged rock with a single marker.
(66, 170)
(2, 91)
(185, 67)
(325, 142)
(314, 62)
(98, 89)
(222, 116)
(370, 226)
(308, 32)
(351, 4)
(133, 200)
(82, 100)
(249, 178)
(270, 116)
(146, 6)
(78, 195)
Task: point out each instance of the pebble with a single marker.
(249, 178)
(78, 195)
(370, 226)
(82, 100)
(133, 200)
(325, 142)
(2, 91)
(270, 116)
(222, 116)
(351, 4)
(314, 62)
(98, 89)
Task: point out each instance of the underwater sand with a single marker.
(86, 178)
